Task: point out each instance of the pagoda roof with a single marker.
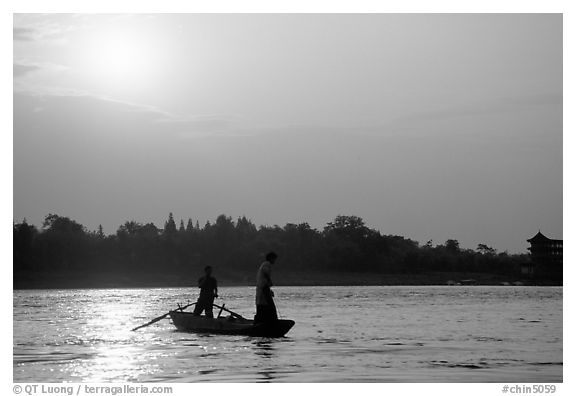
(539, 238)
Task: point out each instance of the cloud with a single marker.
(24, 34)
(65, 103)
(92, 102)
(496, 106)
(54, 27)
(193, 124)
(21, 70)
(30, 30)
(209, 123)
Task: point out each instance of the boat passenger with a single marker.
(265, 307)
(208, 291)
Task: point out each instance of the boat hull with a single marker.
(186, 321)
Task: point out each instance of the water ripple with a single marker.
(362, 334)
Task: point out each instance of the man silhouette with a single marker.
(265, 307)
(208, 291)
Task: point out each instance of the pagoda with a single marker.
(546, 256)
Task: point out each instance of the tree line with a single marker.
(235, 247)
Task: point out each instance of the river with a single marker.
(342, 334)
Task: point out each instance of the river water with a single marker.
(342, 334)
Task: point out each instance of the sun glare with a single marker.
(120, 57)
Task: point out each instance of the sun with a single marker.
(120, 57)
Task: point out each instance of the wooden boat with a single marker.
(234, 324)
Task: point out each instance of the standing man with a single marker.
(208, 291)
(265, 308)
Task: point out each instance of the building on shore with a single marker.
(545, 258)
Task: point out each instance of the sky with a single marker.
(429, 126)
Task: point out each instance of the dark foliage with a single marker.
(345, 245)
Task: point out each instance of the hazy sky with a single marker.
(427, 126)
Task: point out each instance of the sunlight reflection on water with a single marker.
(402, 334)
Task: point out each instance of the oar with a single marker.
(160, 318)
(230, 312)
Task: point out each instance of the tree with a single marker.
(170, 226)
(143, 250)
(24, 236)
(351, 245)
(485, 249)
(59, 224)
(224, 231)
(149, 230)
(347, 226)
(64, 242)
(189, 226)
(452, 245)
(129, 228)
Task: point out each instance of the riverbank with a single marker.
(102, 280)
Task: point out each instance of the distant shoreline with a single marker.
(126, 281)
